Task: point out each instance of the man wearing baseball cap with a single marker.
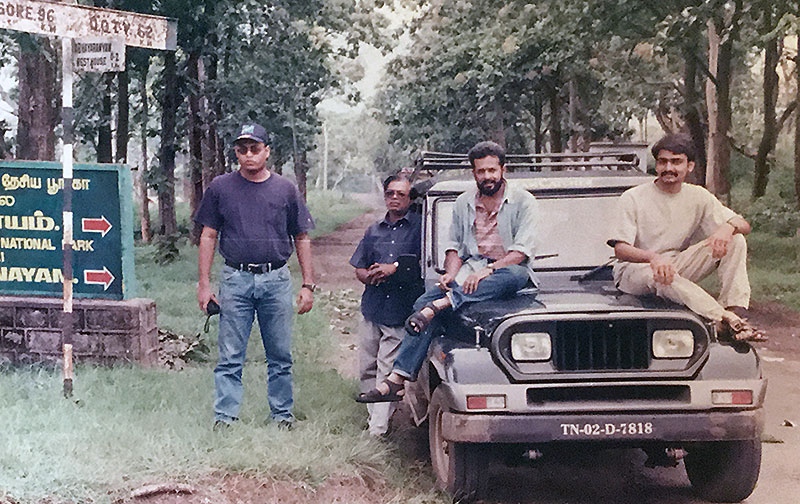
(260, 218)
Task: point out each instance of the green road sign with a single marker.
(31, 231)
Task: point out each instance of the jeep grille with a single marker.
(582, 345)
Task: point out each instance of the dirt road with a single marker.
(609, 477)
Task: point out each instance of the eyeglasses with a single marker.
(399, 194)
(253, 148)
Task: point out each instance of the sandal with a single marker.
(396, 393)
(742, 330)
(417, 322)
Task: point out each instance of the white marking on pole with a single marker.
(66, 172)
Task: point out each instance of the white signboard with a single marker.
(95, 54)
(74, 21)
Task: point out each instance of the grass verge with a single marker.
(127, 426)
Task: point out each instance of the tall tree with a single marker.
(123, 117)
(104, 138)
(166, 156)
(38, 104)
(770, 101)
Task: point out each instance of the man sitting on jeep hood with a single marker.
(670, 234)
(487, 257)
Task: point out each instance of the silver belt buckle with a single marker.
(252, 267)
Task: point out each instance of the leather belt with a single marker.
(256, 268)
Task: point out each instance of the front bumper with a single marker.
(660, 427)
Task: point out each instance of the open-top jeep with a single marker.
(578, 361)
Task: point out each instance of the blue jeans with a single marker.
(504, 282)
(242, 296)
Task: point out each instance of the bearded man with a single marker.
(489, 256)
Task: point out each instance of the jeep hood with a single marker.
(560, 294)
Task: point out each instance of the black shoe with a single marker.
(286, 425)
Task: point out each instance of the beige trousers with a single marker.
(377, 350)
(692, 265)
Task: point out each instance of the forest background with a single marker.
(351, 90)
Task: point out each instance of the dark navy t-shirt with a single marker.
(391, 302)
(256, 220)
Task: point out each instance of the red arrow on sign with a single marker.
(93, 225)
(98, 277)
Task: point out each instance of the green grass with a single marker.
(128, 426)
(774, 244)
(775, 268)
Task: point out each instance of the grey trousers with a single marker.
(692, 265)
(377, 350)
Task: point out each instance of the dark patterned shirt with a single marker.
(390, 303)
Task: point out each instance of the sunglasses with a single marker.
(399, 194)
(253, 148)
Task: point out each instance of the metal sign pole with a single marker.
(67, 117)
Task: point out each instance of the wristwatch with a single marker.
(311, 287)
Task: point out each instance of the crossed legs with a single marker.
(692, 265)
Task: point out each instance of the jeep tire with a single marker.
(460, 468)
(724, 471)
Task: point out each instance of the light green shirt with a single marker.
(516, 223)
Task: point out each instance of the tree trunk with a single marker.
(797, 123)
(104, 152)
(691, 100)
(166, 185)
(498, 133)
(299, 161)
(720, 60)
(770, 95)
(143, 185)
(195, 143)
(301, 173)
(38, 109)
(538, 138)
(573, 116)
(123, 117)
(324, 157)
(209, 112)
(555, 121)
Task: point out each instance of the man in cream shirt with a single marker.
(670, 235)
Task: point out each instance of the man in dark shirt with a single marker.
(260, 217)
(389, 293)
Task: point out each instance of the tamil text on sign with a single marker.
(31, 228)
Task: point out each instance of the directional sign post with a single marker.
(74, 21)
(70, 21)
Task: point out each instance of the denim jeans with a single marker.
(242, 296)
(504, 282)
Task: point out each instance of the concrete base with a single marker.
(105, 331)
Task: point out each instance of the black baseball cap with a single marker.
(252, 131)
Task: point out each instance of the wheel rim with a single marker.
(441, 460)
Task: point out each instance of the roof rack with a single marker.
(562, 161)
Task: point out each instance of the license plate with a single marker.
(607, 429)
